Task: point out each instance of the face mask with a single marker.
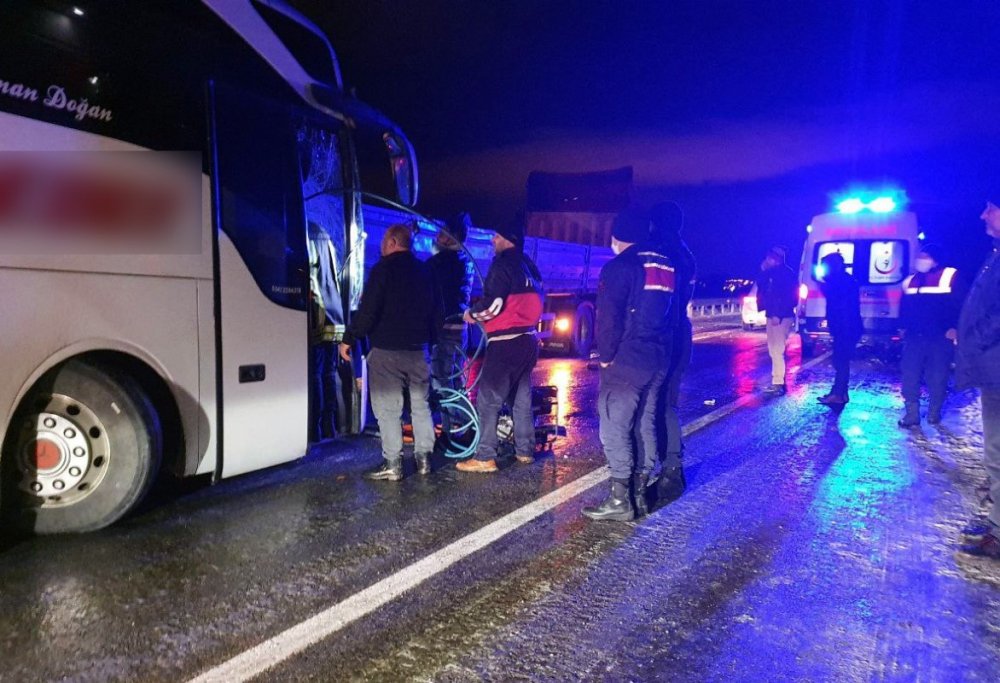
(924, 265)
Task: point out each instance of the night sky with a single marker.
(752, 115)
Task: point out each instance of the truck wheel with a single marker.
(81, 451)
(583, 330)
(808, 346)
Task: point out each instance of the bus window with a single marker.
(259, 193)
(323, 186)
(887, 262)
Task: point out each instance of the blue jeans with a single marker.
(446, 368)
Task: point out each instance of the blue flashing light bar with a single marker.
(885, 202)
(851, 205)
(882, 204)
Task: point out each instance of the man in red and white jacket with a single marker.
(509, 310)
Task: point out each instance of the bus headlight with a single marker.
(562, 324)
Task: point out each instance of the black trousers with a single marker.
(668, 424)
(843, 350)
(506, 376)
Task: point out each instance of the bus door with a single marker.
(261, 283)
(328, 196)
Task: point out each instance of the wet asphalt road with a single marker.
(809, 546)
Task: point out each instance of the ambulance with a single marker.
(879, 241)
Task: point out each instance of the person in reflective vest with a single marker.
(932, 301)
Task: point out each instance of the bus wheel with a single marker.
(81, 451)
(583, 330)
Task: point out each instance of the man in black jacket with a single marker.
(843, 316)
(667, 220)
(400, 314)
(453, 271)
(509, 311)
(633, 338)
(777, 298)
(932, 300)
(979, 366)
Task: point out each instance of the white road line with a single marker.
(273, 651)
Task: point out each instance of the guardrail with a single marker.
(714, 308)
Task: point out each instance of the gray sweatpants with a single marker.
(991, 447)
(390, 373)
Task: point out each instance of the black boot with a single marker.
(423, 463)
(386, 472)
(670, 486)
(641, 498)
(616, 507)
(911, 416)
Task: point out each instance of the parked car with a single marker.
(752, 318)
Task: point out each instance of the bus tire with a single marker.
(583, 330)
(82, 450)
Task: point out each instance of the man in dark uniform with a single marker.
(667, 221)
(633, 339)
(932, 300)
(453, 271)
(509, 310)
(843, 316)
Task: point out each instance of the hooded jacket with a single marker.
(978, 357)
(511, 304)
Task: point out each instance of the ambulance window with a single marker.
(887, 262)
(845, 249)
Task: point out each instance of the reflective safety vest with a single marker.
(934, 282)
(931, 302)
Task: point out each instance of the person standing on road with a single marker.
(667, 221)
(979, 366)
(932, 300)
(452, 270)
(509, 310)
(843, 318)
(634, 337)
(325, 307)
(400, 314)
(777, 298)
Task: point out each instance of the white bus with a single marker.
(117, 362)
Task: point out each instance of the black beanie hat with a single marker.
(513, 231)
(667, 218)
(458, 226)
(631, 225)
(935, 251)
